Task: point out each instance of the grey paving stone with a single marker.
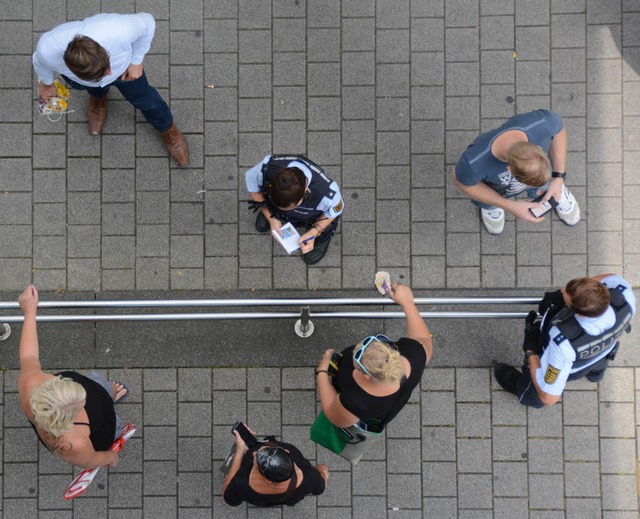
(582, 479)
(439, 379)
(194, 419)
(323, 113)
(581, 444)
(472, 385)
(393, 249)
(619, 493)
(474, 491)
(426, 103)
(532, 43)
(473, 420)
(474, 455)
(509, 443)
(616, 420)
(438, 408)
(567, 30)
(229, 406)
(461, 44)
(427, 34)
(369, 478)
(510, 479)
(427, 68)
(546, 491)
(496, 32)
(463, 249)
(498, 271)
(439, 480)
(532, 77)
(404, 490)
(358, 68)
(545, 455)
(160, 478)
(428, 272)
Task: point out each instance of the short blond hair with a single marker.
(55, 402)
(529, 164)
(383, 362)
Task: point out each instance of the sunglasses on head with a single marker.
(365, 342)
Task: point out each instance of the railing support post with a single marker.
(304, 326)
(5, 331)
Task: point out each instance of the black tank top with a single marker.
(99, 409)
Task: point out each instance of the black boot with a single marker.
(507, 376)
(319, 250)
(262, 225)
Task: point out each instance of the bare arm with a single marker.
(329, 399)
(241, 450)
(545, 398)
(29, 349)
(483, 193)
(416, 327)
(80, 452)
(558, 157)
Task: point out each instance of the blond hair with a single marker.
(54, 404)
(383, 362)
(528, 163)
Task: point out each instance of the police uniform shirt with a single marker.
(557, 360)
(331, 208)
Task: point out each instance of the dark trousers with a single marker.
(594, 373)
(140, 94)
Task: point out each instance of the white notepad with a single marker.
(290, 239)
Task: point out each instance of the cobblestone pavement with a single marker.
(385, 94)
(460, 448)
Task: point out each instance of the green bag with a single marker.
(324, 433)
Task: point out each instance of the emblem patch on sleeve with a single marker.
(551, 375)
(338, 207)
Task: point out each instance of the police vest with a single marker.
(586, 346)
(318, 188)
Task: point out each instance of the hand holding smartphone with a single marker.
(245, 434)
(538, 212)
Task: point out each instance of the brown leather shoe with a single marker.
(176, 145)
(96, 114)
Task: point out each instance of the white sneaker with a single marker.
(493, 220)
(567, 208)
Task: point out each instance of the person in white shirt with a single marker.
(101, 51)
(576, 336)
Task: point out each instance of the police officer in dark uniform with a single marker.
(291, 188)
(575, 336)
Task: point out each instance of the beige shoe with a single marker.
(176, 145)
(96, 114)
(493, 220)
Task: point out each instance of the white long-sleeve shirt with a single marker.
(126, 38)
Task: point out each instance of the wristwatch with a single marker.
(529, 354)
(558, 174)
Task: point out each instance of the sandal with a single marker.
(121, 392)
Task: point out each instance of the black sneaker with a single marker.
(262, 225)
(318, 252)
(507, 376)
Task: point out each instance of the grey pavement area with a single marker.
(385, 94)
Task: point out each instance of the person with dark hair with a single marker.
(291, 188)
(527, 153)
(102, 51)
(575, 336)
(271, 473)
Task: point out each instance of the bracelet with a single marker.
(558, 174)
(318, 371)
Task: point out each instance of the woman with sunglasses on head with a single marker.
(271, 473)
(375, 378)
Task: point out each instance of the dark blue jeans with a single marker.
(140, 94)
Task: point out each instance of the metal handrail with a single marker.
(304, 326)
(335, 301)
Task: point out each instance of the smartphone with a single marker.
(546, 207)
(245, 434)
(334, 363)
